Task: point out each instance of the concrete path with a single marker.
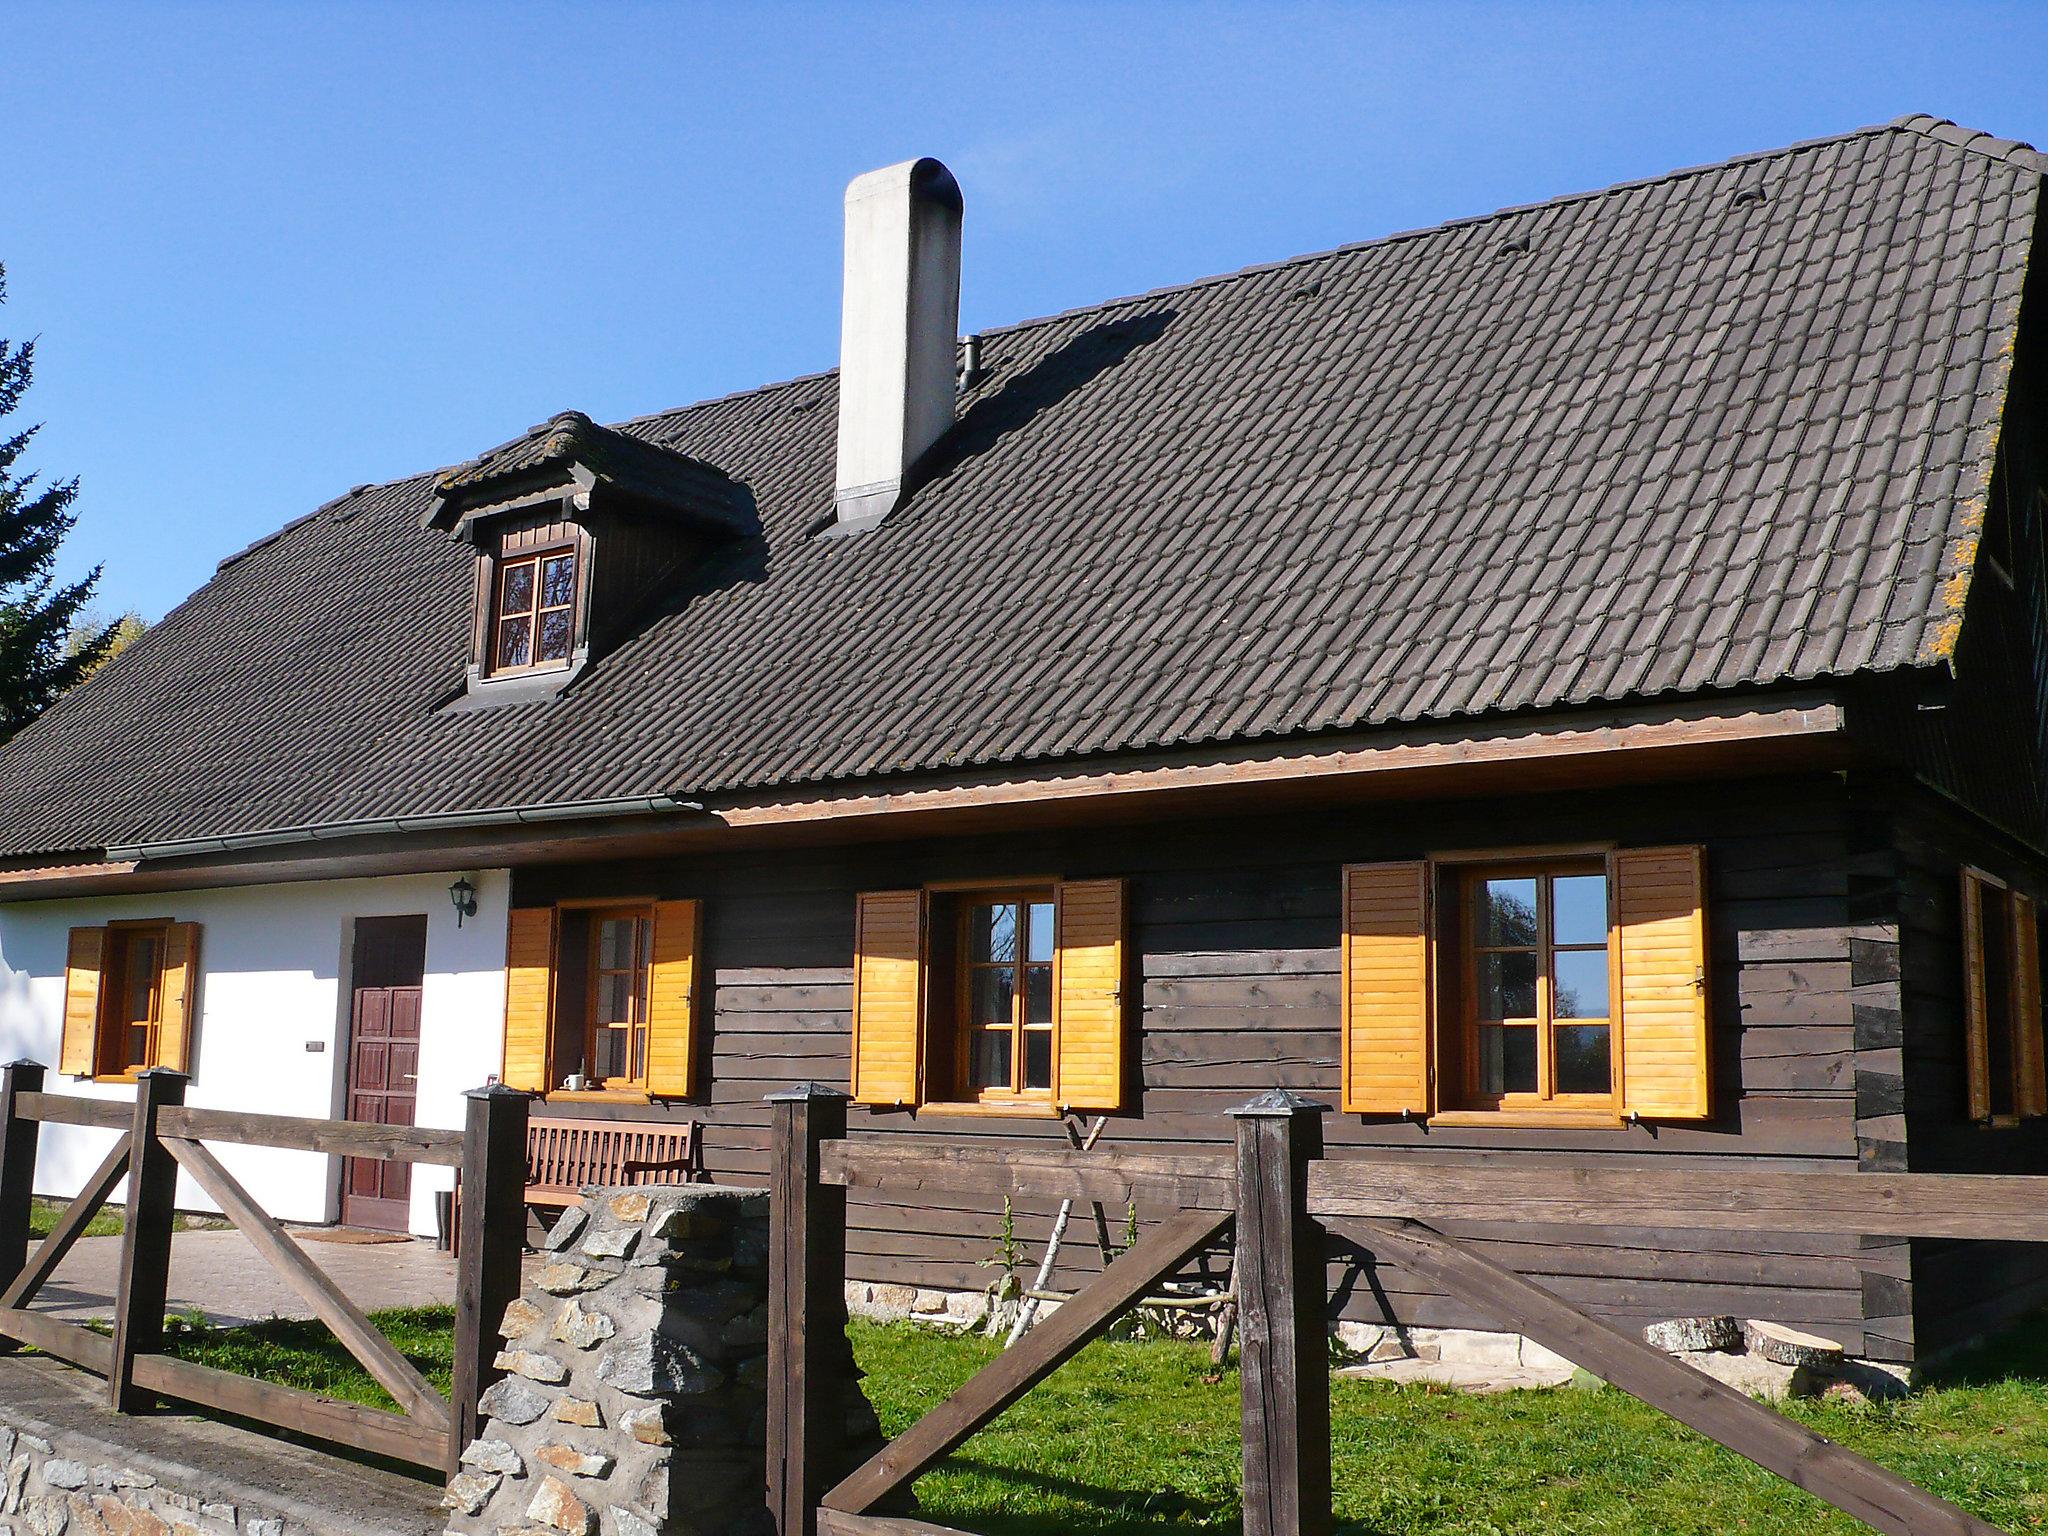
(220, 1274)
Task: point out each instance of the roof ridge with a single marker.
(1946, 131)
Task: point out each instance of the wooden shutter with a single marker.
(1088, 1014)
(888, 997)
(1661, 925)
(1385, 1045)
(180, 988)
(529, 998)
(672, 999)
(1976, 1004)
(2030, 1085)
(78, 1056)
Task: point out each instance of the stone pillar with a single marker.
(634, 1395)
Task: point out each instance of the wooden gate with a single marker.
(1282, 1200)
(156, 1137)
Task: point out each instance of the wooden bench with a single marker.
(564, 1157)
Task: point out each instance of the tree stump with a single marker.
(1693, 1335)
(1788, 1346)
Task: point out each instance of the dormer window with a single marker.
(576, 529)
(536, 612)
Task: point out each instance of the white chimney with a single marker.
(898, 332)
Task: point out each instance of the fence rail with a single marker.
(157, 1136)
(1282, 1199)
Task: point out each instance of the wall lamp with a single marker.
(463, 894)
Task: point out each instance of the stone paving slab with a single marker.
(221, 1274)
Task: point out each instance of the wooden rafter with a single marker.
(70, 1227)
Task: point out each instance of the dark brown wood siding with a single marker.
(1234, 926)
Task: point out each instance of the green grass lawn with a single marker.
(107, 1221)
(1133, 1437)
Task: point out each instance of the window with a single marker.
(1536, 980)
(2003, 1047)
(1004, 1001)
(128, 998)
(535, 612)
(615, 1041)
(992, 999)
(1496, 986)
(601, 997)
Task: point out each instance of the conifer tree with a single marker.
(40, 652)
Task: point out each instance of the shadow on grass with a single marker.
(1104, 1511)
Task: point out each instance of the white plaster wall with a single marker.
(273, 981)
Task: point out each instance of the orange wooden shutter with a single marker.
(529, 997)
(1976, 1004)
(672, 1000)
(888, 997)
(1661, 922)
(180, 987)
(2030, 1087)
(1385, 1047)
(78, 1056)
(1089, 1013)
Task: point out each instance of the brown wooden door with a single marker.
(383, 1062)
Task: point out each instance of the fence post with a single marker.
(1283, 1352)
(806, 1308)
(491, 1211)
(145, 1240)
(18, 1136)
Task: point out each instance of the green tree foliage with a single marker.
(41, 653)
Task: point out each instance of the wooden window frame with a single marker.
(107, 1046)
(965, 1034)
(1471, 873)
(642, 913)
(2023, 1022)
(500, 568)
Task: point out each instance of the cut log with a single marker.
(1691, 1335)
(1788, 1346)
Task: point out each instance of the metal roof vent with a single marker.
(899, 331)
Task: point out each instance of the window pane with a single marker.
(515, 641)
(989, 995)
(516, 591)
(1038, 1058)
(1507, 912)
(1581, 990)
(615, 943)
(558, 582)
(1507, 986)
(1578, 909)
(1582, 1059)
(1037, 994)
(1039, 931)
(138, 1048)
(615, 997)
(992, 931)
(611, 1053)
(1507, 1058)
(554, 635)
(141, 976)
(992, 1058)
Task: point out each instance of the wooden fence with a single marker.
(1282, 1200)
(156, 1136)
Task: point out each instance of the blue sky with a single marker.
(276, 250)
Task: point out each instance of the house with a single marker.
(1565, 687)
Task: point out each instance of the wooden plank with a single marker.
(70, 1109)
(67, 1341)
(305, 1413)
(351, 1138)
(1192, 1180)
(491, 1217)
(835, 1522)
(378, 1355)
(1878, 1497)
(1053, 1342)
(18, 1138)
(145, 1273)
(2013, 1207)
(70, 1227)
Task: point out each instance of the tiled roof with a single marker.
(1729, 427)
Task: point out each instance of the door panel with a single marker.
(383, 1062)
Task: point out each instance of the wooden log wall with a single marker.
(1234, 928)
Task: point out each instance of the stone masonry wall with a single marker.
(635, 1396)
(51, 1494)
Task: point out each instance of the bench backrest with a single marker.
(568, 1154)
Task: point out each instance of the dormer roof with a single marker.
(570, 453)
